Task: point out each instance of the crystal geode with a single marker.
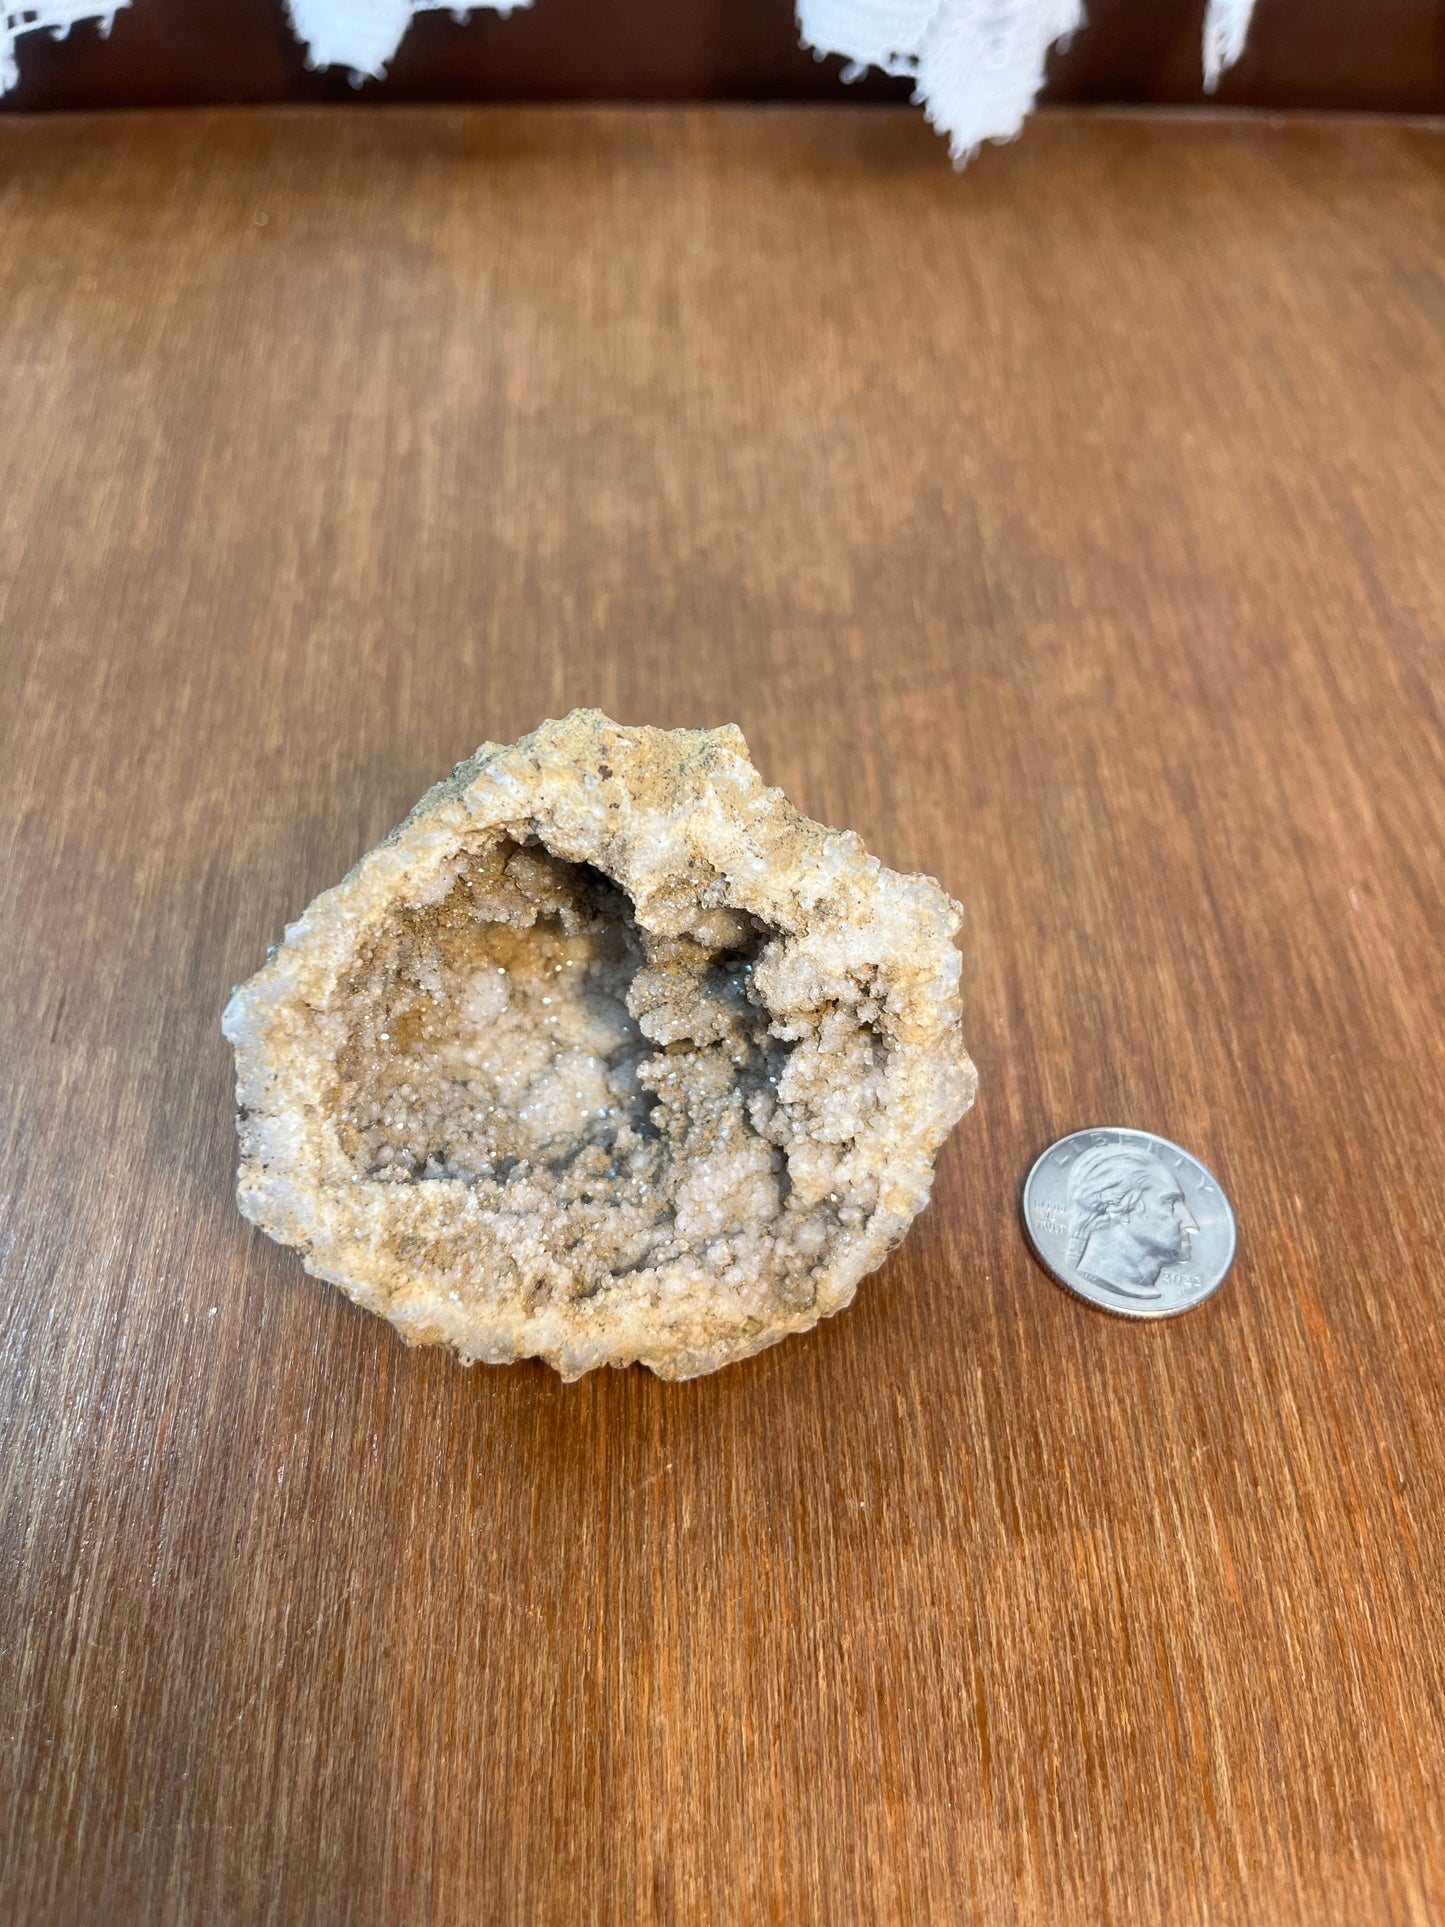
(605, 1055)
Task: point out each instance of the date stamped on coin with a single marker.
(1129, 1221)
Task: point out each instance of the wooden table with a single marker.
(1075, 531)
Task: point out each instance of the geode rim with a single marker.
(605, 1055)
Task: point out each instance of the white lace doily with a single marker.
(977, 65)
(55, 17)
(364, 34)
(1226, 25)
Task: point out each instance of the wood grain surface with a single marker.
(1074, 531)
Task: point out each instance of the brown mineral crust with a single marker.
(605, 1055)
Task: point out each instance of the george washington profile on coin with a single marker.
(1128, 1219)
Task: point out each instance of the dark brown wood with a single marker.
(1368, 55)
(1072, 530)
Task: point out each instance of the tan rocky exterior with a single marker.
(605, 1055)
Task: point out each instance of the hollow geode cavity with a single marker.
(605, 1055)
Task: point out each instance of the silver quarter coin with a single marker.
(1130, 1222)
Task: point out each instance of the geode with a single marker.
(605, 1055)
